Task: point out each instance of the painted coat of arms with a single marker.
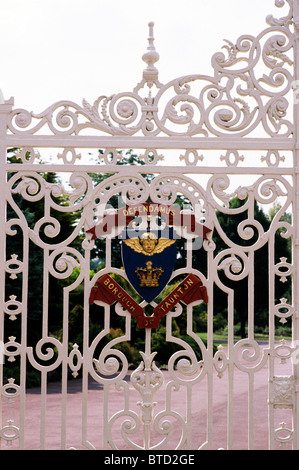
(148, 261)
(148, 258)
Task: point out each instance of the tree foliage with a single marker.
(34, 211)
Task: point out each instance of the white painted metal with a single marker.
(213, 132)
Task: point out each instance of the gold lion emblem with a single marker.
(148, 244)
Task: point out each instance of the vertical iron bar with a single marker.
(295, 254)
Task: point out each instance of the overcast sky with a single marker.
(53, 50)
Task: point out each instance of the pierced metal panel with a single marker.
(208, 166)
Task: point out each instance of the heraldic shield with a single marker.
(149, 260)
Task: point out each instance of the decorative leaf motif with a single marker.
(213, 111)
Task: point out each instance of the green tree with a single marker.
(230, 224)
(33, 212)
(98, 254)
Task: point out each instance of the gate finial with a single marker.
(150, 74)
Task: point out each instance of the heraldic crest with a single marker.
(149, 261)
(148, 258)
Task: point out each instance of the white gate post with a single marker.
(5, 109)
(296, 227)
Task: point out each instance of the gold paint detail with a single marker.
(149, 244)
(149, 276)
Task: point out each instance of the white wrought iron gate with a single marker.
(136, 228)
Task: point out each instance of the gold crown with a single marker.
(149, 276)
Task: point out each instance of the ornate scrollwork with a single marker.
(62, 265)
(53, 346)
(166, 423)
(234, 265)
(251, 358)
(232, 101)
(33, 188)
(112, 364)
(185, 367)
(246, 96)
(130, 426)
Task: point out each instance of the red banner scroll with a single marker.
(109, 291)
(188, 291)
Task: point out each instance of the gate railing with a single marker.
(209, 149)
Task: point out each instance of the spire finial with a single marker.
(150, 74)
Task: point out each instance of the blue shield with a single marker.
(148, 259)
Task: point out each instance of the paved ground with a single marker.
(95, 411)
